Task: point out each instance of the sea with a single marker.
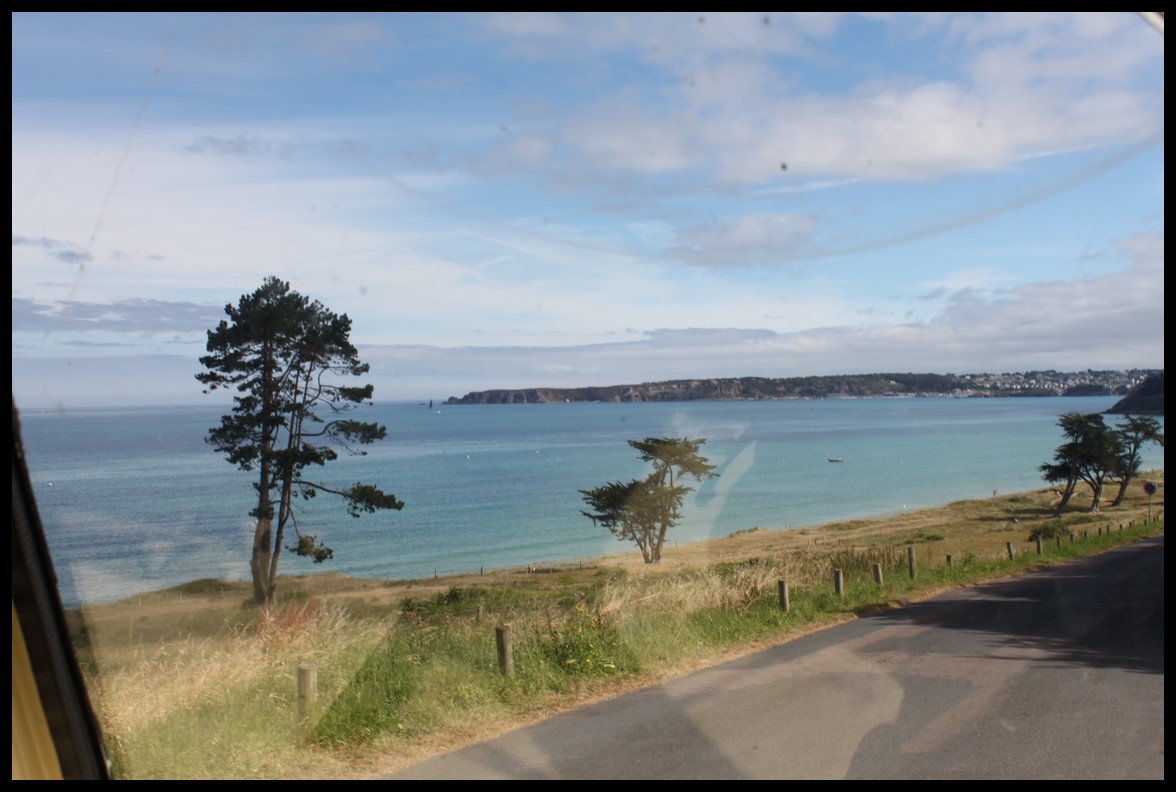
(134, 500)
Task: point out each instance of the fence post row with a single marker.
(307, 682)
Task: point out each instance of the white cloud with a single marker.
(976, 278)
(750, 239)
(510, 228)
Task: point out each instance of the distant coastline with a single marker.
(848, 386)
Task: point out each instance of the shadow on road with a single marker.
(1103, 611)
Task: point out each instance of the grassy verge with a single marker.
(192, 683)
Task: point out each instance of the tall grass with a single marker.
(224, 705)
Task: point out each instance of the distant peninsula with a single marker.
(846, 386)
(1146, 398)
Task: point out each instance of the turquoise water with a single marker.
(134, 500)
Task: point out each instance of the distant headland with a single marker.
(1146, 398)
(846, 386)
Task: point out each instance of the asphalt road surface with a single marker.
(1057, 674)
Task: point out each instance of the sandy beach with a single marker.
(981, 527)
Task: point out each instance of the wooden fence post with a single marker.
(911, 560)
(1009, 548)
(505, 650)
(307, 692)
(878, 574)
(838, 583)
(783, 587)
(949, 564)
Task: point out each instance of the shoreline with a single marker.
(721, 548)
(507, 506)
(944, 521)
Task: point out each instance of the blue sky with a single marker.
(561, 200)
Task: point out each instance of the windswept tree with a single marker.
(643, 510)
(284, 356)
(1091, 454)
(1133, 434)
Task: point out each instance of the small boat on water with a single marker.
(835, 459)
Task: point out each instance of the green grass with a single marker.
(422, 675)
(222, 702)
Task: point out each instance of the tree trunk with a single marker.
(259, 564)
(657, 546)
(276, 539)
(1095, 496)
(1066, 494)
(1122, 491)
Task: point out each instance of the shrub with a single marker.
(586, 643)
(1049, 531)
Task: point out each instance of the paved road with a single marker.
(1058, 674)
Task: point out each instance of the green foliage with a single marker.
(1091, 453)
(369, 499)
(627, 509)
(1133, 434)
(587, 643)
(308, 546)
(1051, 530)
(459, 601)
(280, 353)
(643, 510)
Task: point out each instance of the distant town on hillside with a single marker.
(849, 386)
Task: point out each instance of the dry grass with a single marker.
(175, 661)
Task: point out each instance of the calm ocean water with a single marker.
(134, 500)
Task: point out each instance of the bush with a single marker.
(1049, 531)
(587, 643)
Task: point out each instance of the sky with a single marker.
(561, 200)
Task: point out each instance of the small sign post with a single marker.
(1150, 488)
